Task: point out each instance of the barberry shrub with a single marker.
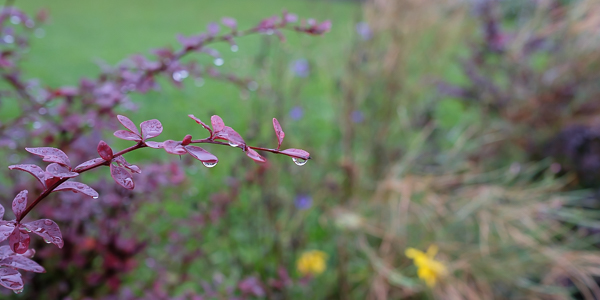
(68, 118)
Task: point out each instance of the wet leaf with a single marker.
(11, 279)
(89, 163)
(50, 154)
(127, 123)
(230, 135)
(155, 145)
(23, 263)
(201, 154)
(254, 155)
(77, 187)
(105, 151)
(48, 230)
(151, 128)
(34, 170)
(278, 132)
(217, 123)
(122, 177)
(18, 241)
(6, 228)
(173, 147)
(20, 203)
(60, 171)
(127, 135)
(296, 153)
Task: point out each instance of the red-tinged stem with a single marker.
(276, 151)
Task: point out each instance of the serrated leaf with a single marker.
(151, 128)
(122, 177)
(254, 155)
(127, 123)
(217, 123)
(296, 153)
(48, 230)
(50, 154)
(201, 154)
(77, 187)
(11, 279)
(127, 135)
(20, 203)
(278, 132)
(104, 151)
(18, 241)
(34, 170)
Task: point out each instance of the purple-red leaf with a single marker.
(34, 170)
(1, 211)
(201, 123)
(155, 145)
(60, 171)
(89, 163)
(228, 134)
(278, 132)
(217, 123)
(122, 177)
(127, 135)
(18, 241)
(11, 279)
(120, 160)
(20, 203)
(201, 154)
(6, 228)
(254, 155)
(173, 147)
(51, 155)
(127, 123)
(296, 153)
(77, 187)
(48, 230)
(151, 128)
(23, 263)
(105, 151)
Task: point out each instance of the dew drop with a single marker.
(47, 241)
(57, 240)
(21, 200)
(209, 164)
(299, 161)
(232, 144)
(27, 229)
(48, 222)
(95, 197)
(18, 291)
(219, 61)
(234, 48)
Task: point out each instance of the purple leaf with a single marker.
(173, 147)
(217, 123)
(5, 251)
(127, 123)
(201, 154)
(23, 263)
(6, 228)
(89, 163)
(155, 145)
(11, 279)
(120, 160)
(201, 123)
(296, 153)
(77, 187)
(151, 128)
(34, 170)
(127, 135)
(230, 135)
(18, 241)
(48, 230)
(229, 22)
(20, 203)
(51, 155)
(254, 155)
(1, 211)
(122, 177)
(278, 132)
(60, 171)
(105, 151)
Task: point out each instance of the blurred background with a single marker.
(455, 146)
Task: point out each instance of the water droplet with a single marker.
(18, 291)
(48, 222)
(209, 164)
(234, 48)
(47, 241)
(57, 240)
(9, 39)
(42, 111)
(95, 197)
(219, 61)
(27, 229)
(232, 144)
(15, 20)
(21, 200)
(299, 161)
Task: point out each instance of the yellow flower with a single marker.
(428, 269)
(312, 262)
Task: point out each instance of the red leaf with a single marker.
(34, 170)
(122, 177)
(48, 230)
(186, 140)
(60, 171)
(174, 147)
(127, 135)
(232, 136)
(120, 160)
(51, 155)
(6, 228)
(254, 155)
(89, 163)
(296, 153)
(11, 279)
(128, 124)
(278, 132)
(155, 145)
(151, 128)
(202, 123)
(23, 263)
(105, 151)
(18, 241)
(201, 154)
(77, 187)
(217, 123)
(20, 203)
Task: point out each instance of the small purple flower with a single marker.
(357, 116)
(301, 68)
(364, 30)
(303, 201)
(296, 113)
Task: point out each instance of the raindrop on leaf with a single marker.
(299, 161)
(232, 144)
(47, 241)
(209, 164)
(18, 291)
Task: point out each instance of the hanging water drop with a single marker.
(234, 48)
(232, 144)
(209, 164)
(47, 241)
(299, 161)
(95, 197)
(18, 291)
(27, 229)
(219, 61)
